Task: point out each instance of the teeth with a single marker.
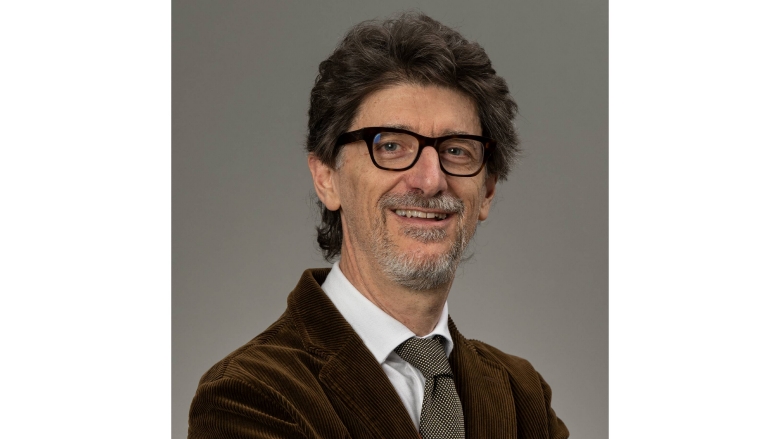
(418, 214)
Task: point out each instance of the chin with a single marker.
(425, 235)
(420, 274)
(424, 268)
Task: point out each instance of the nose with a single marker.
(426, 175)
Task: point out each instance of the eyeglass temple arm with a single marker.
(345, 138)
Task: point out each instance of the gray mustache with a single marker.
(445, 202)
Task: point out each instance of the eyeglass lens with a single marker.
(456, 155)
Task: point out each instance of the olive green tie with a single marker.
(442, 415)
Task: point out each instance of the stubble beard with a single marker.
(420, 272)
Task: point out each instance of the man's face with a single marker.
(381, 209)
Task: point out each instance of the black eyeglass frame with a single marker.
(367, 135)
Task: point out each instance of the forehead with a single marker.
(428, 110)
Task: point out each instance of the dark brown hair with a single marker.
(412, 48)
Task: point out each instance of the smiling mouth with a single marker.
(437, 216)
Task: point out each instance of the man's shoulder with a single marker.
(269, 356)
(501, 358)
(259, 386)
(515, 366)
(522, 376)
(285, 346)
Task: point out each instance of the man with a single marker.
(366, 350)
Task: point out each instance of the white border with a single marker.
(694, 218)
(85, 175)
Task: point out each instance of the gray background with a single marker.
(243, 217)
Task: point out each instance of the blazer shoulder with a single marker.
(511, 363)
(254, 387)
(273, 350)
(524, 378)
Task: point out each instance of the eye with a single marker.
(389, 147)
(460, 150)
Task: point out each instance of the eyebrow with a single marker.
(408, 128)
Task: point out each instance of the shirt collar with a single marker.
(380, 332)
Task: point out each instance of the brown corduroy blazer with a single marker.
(310, 376)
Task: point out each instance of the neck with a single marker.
(417, 310)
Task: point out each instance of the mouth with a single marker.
(409, 213)
(414, 211)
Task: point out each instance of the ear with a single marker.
(324, 178)
(490, 192)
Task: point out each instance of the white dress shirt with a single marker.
(382, 334)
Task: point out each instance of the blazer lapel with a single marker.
(484, 390)
(354, 376)
(350, 372)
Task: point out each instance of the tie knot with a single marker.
(426, 354)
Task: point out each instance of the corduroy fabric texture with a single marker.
(310, 376)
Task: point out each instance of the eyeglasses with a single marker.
(394, 149)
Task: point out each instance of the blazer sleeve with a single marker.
(557, 429)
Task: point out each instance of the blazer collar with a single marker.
(323, 329)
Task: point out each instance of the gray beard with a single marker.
(416, 273)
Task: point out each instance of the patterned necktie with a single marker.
(442, 415)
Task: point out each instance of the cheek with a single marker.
(474, 200)
(357, 199)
